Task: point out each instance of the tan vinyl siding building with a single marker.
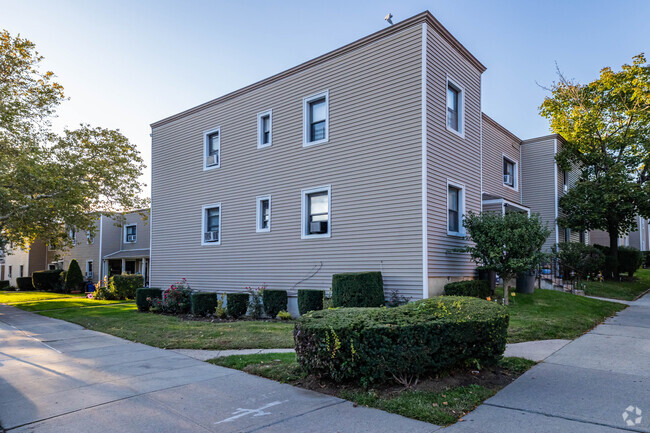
(386, 164)
(541, 186)
(500, 144)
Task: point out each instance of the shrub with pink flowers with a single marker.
(175, 300)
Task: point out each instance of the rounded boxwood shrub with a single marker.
(371, 345)
(4, 284)
(144, 295)
(360, 289)
(24, 283)
(475, 288)
(274, 301)
(236, 304)
(310, 300)
(48, 280)
(203, 303)
(124, 286)
(629, 260)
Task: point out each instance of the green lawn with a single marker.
(14, 297)
(440, 406)
(169, 332)
(626, 290)
(549, 314)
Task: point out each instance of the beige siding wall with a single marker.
(372, 163)
(493, 207)
(450, 157)
(14, 259)
(496, 144)
(37, 257)
(143, 235)
(84, 251)
(539, 174)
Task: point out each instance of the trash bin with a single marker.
(526, 282)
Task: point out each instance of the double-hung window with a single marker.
(9, 271)
(455, 108)
(565, 180)
(130, 233)
(22, 270)
(263, 214)
(316, 212)
(89, 270)
(509, 173)
(455, 209)
(72, 233)
(264, 129)
(212, 149)
(90, 237)
(211, 224)
(316, 119)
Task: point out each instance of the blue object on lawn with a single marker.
(90, 287)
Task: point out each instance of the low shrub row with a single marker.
(120, 287)
(203, 303)
(628, 260)
(4, 284)
(24, 283)
(474, 288)
(145, 295)
(49, 280)
(360, 289)
(372, 345)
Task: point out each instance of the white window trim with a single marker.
(305, 118)
(136, 233)
(87, 262)
(205, 149)
(258, 214)
(90, 239)
(461, 208)
(303, 212)
(204, 220)
(515, 169)
(461, 107)
(259, 129)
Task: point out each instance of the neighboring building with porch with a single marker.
(119, 244)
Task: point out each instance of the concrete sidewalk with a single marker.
(56, 376)
(593, 384)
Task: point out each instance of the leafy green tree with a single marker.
(73, 278)
(47, 181)
(607, 127)
(507, 244)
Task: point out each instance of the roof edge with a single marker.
(422, 17)
(501, 128)
(544, 137)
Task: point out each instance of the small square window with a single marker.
(211, 224)
(455, 108)
(212, 149)
(509, 173)
(263, 214)
(264, 129)
(316, 119)
(316, 213)
(130, 233)
(455, 210)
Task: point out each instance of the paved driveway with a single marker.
(59, 377)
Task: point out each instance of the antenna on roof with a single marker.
(388, 18)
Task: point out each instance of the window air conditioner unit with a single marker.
(212, 160)
(89, 275)
(318, 227)
(211, 236)
(130, 238)
(507, 179)
(566, 188)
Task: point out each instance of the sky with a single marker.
(127, 63)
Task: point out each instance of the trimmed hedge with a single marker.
(310, 300)
(274, 301)
(24, 283)
(203, 303)
(124, 286)
(629, 260)
(646, 260)
(4, 284)
(141, 295)
(236, 304)
(475, 288)
(360, 289)
(371, 345)
(48, 280)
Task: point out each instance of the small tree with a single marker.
(74, 278)
(507, 244)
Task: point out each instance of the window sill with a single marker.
(325, 235)
(314, 143)
(209, 244)
(453, 131)
(456, 234)
(211, 167)
(511, 187)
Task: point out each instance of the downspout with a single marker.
(425, 220)
(101, 262)
(557, 233)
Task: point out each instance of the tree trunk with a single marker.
(612, 259)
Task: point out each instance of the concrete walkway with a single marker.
(533, 350)
(588, 386)
(56, 376)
